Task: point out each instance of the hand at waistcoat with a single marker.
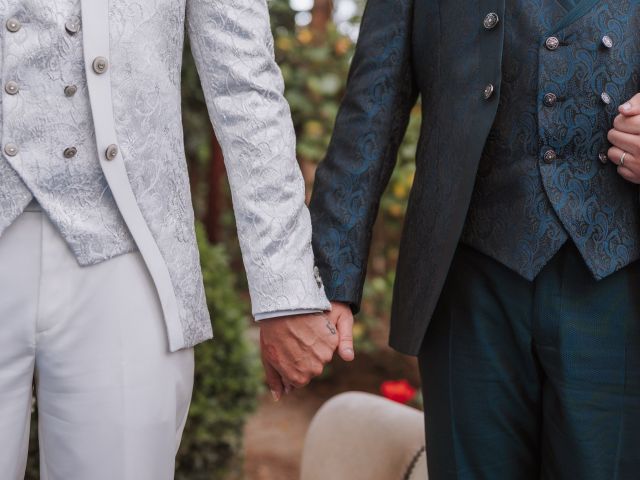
(625, 138)
(296, 348)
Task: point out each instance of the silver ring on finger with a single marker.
(624, 154)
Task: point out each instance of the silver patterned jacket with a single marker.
(91, 127)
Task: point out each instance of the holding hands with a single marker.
(625, 138)
(296, 348)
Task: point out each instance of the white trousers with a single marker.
(112, 399)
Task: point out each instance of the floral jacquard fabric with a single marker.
(232, 46)
(562, 100)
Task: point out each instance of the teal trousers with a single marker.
(533, 380)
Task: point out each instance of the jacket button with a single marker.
(603, 157)
(552, 43)
(70, 90)
(606, 98)
(550, 99)
(607, 41)
(72, 25)
(11, 149)
(100, 64)
(491, 20)
(488, 91)
(11, 87)
(70, 152)
(550, 156)
(316, 274)
(111, 152)
(13, 24)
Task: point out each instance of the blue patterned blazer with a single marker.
(450, 52)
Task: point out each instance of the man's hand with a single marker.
(625, 138)
(296, 348)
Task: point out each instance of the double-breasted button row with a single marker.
(72, 25)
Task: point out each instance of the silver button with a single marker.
(607, 41)
(316, 274)
(604, 159)
(491, 20)
(13, 24)
(11, 149)
(550, 156)
(100, 64)
(606, 98)
(111, 152)
(488, 91)
(70, 152)
(552, 43)
(11, 87)
(72, 25)
(70, 90)
(550, 99)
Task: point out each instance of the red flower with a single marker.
(399, 391)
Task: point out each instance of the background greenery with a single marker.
(314, 62)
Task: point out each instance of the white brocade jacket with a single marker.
(91, 127)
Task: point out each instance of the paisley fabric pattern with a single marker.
(523, 208)
(232, 46)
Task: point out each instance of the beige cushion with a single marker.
(362, 436)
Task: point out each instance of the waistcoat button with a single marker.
(70, 152)
(491, 20)
(72, 25)
(11, 87)
(606, 98)
(552, 43)
(111, 152)
(70, 90)
(11, 149)
(607, 41)
(100, 64)
(550, 156)
(488, 91)
(550, 99)
(13, 24)
(604, 159)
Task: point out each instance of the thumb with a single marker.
(345, 331)
(632, 107)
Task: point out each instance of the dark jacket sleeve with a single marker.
(371, 123)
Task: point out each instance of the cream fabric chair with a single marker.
(359, 436)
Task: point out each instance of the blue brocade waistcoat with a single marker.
(544, 177)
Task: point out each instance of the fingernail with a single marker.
(287, 389)
(626, 107)
(276, 395)
(348, 351)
